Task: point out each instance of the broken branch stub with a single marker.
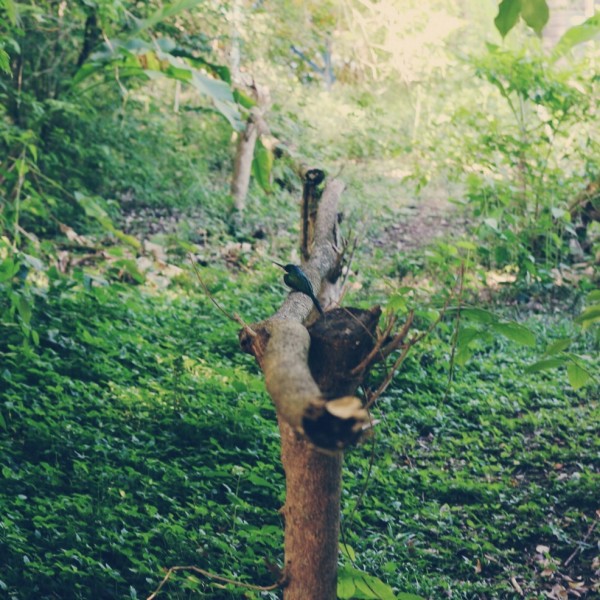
(316, 400)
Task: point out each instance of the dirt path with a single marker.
(422, 222)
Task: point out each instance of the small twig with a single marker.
(232, 317)
(390, 375)
(249, 586)
(399, 337)
(353, 245)
(578, 549)
(461, 281)
(364, 363)
(406, 349)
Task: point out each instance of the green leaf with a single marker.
(508, 15)
(354, 583)
(515, 332)
(170, 10)
(579, 34)
(479, 315)
(130, 240)
(24, 308)
(462, 356)
(590, 315)
(467, 334)
(558, 346)
(578, 376)
(262, 165)
(3, 425)
(8, 269)
(407, 596)
(11, 9)
(216, 89)
(546, 364)
(221, 95)
(4, 61)
(243, 99)
(85, 71)
(593, 296)
(348, 552)
(396, 302)
(345, 585)
(535, 13)
(91, 206)
(373, 588)
(130, 267)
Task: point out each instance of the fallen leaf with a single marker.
(517, 587)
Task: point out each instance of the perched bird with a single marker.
(298, 281)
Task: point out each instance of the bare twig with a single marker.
(461, 281)
(232, 317)
(399, 337)
(578, 549)
(353, 245)
(390, 375)
(367, 360)
(249, 586)
(406, 349)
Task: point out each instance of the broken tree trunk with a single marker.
(244, 155)
(308, 373)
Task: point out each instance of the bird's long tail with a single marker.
(317, 304)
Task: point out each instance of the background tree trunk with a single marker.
(242, 167)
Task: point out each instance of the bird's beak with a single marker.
(278, 264)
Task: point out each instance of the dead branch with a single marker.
(232, 317)
(282, 344)
(248, 586)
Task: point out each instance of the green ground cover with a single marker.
(136, 436)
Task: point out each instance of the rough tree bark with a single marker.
(308, 375)
(244, 155)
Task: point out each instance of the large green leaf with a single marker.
(515, 332)
(8, 269)
(479, 315)
(4, 61)
(262, 165)
(217, 90)
(579, 34)
(535, 13)
(508, 15)
(24, 308)
(221, 95)
(590, 315)
(354, 583)
(546, 364)
(345, 585)
(593, 296)
(558, 346)
(138, 58)
(578, 376)
(11, 10)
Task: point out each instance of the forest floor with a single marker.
(135, 435)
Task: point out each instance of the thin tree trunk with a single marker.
(243, 164)
(309, 375)
(312, 517)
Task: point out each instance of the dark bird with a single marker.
(299, 282)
